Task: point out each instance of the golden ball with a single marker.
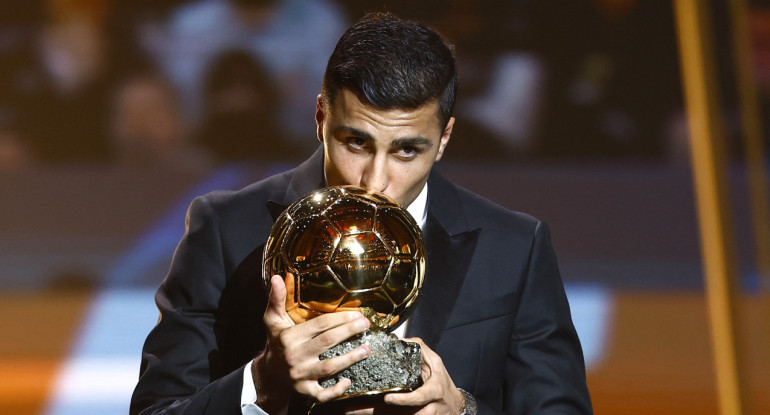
(343, 248)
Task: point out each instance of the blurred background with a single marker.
(114, 114)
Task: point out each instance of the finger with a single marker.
(304, 333)
(328, 367)
(309, 367)
(312, 388)
(325, 322)
(334, 336)
(363, 411)
(276, 318)
(327, 394)
(420, 396)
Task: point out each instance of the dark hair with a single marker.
(392, 63)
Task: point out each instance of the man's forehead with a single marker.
(347, 96)
(349, 106)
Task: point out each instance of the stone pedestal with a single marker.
(393, 366)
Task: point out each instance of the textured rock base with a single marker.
(392, 364)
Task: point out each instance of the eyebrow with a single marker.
(411, 141)
(399, 142)
(353, 131)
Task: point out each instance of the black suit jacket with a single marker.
(492, 306)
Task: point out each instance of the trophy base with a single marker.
(346, 403)
(392, 366)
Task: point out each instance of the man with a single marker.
(492, 319)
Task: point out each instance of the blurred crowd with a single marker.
(188, 84)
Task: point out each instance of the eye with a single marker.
(408, 152)
(356, 142)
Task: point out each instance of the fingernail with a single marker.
(362, 323)
(388, 399)
(363, 351)
(352, 315)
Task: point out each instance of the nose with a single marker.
(376, 175)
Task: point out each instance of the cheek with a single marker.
(406, 185)
(344, 171)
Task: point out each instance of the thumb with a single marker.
(276, 318)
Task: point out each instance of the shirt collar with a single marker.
(418, 208)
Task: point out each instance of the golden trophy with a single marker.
(346, 248)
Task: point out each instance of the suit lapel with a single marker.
(275, 209)
(307, 177)
(450, 243)
(448, 261)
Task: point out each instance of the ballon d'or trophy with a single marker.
(346, 248)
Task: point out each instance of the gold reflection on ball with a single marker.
(343, 247)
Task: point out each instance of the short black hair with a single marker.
(392, 63)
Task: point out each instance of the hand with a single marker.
(437, 395)
(290, 360)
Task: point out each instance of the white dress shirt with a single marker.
(419, 211)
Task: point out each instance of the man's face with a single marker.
(391, 151)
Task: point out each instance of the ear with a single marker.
(445, 138)
(319, 118)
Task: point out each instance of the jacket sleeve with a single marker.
(545, 371)
(175, 373)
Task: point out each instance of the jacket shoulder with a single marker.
(242, 217)
(488, 212)
(462, 209)
(247, 200)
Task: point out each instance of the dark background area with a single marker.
(570, 111)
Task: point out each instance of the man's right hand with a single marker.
(290, 360)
